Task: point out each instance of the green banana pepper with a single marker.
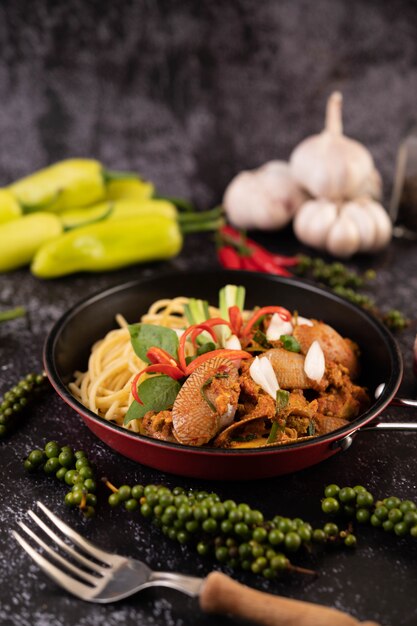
(109, 245)
(9, 207)
(22, 237)
(69, 183)
(120, 209)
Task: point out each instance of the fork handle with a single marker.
(187, 584)
(221, 594)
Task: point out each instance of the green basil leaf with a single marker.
(145, 336)
(157, 394)
(206, 347)
(203, 349)
(290, 343)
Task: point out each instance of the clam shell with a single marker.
(326, 424)
(222, 440)
(194, 421)
(334, 346)
(289, 368)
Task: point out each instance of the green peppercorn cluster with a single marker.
(17, 399)
(72, 468)
(234, 534)
(333, 274)
(391, 514)
(345, 283)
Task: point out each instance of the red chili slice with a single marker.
(236, 321)
(160, 368)
(233, 355)
(159, 355)
(194, 331)
(283, 313)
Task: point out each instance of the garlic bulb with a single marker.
(330, 165)
(266, 198)
(372, 186)
(343, 229)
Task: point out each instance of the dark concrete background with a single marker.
(189, 93)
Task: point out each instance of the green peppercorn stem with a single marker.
(17, 399)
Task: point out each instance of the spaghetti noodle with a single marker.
(105, 388)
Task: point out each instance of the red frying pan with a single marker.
(68, 346)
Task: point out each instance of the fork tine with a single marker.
(67, 582)
(76, 555)
(69, 566)
(89, 548)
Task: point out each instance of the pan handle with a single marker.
(410, 426)
(346, 441)
(396, 401)
(404, 402)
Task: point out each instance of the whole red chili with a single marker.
(229, 257)
(264, 263)
(252, 256)
(285, 261)
(248, 263)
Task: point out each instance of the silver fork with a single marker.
(109, 577)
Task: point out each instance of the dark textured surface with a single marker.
(188, 94)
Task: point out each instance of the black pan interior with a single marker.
(69, 342)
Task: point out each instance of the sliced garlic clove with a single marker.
(356, 211)
(313, 221)
(278, 327)
(343, 238)
(261, 374)
(232, 343)
(256, 372)
(270, 376)
(314, 363)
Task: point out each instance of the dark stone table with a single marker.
(175, 91)
(376, 580)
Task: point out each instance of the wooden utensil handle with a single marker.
(221, 594)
